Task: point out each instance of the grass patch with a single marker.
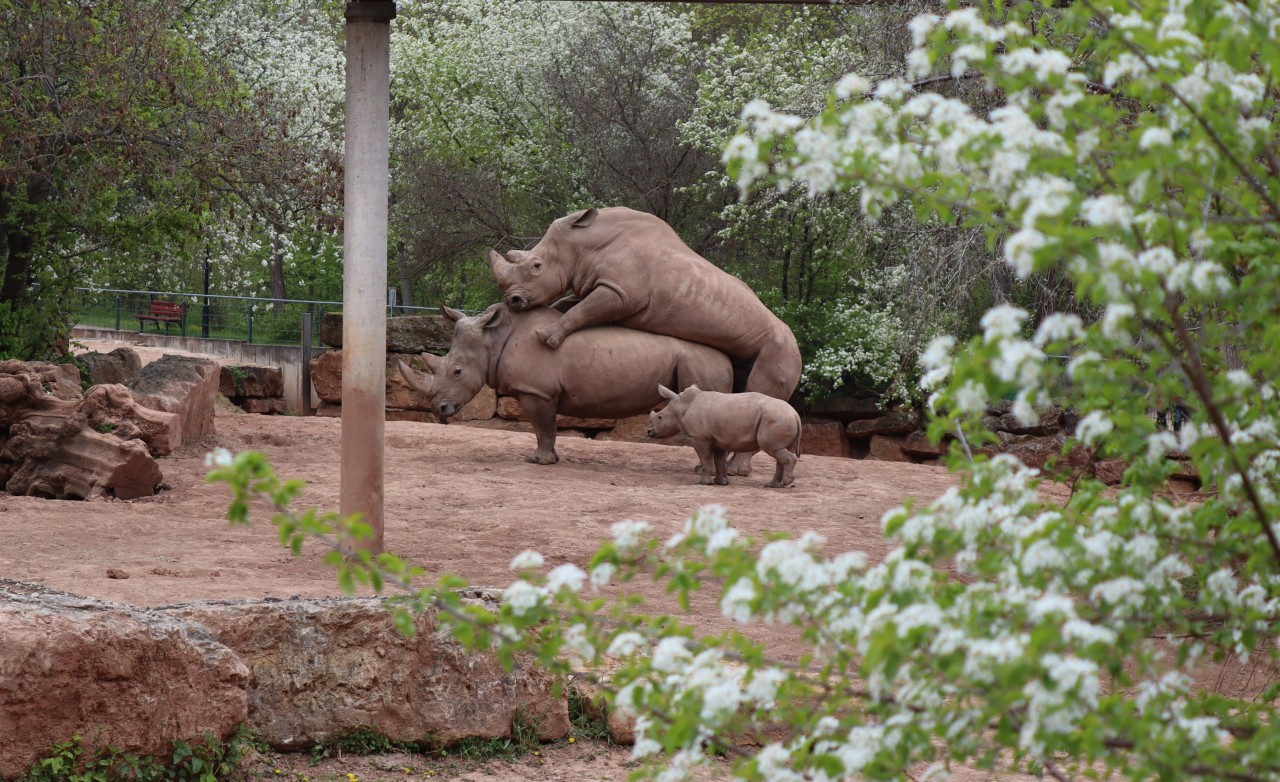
(366, 741)
(209, 761)
(589, 720)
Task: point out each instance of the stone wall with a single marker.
(856, 425)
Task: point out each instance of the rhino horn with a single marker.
(414, 378)
(666, 392)
(500, 266)
(432, 361)
(451, 313)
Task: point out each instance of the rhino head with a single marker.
(455, 378)
(536, 277)
(667, 421)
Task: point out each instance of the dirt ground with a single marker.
(459, 500)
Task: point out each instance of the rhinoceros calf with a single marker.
(632, 269)
(603, 372)
(719, 423)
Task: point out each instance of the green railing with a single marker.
(241, 318)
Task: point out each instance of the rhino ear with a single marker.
(584, 219)
(666, 393)
(450, 312)
(491, 318)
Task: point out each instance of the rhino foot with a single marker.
(706, 480)
(540, 457)
(550, 336)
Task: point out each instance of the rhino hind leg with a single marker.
(784, 473)
(777, 367)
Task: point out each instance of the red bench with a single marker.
(165, 312)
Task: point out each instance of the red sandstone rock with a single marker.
(119, 366)
(823, 437)
(115, 675)
(917, 444)
(250, 380)
(895, 422)
(323, 668)
(887, 448)
(185, 385)
(263, 406)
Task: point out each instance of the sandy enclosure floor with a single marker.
(459, 500)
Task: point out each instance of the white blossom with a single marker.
(527, 560)
(1093, 426)
(628, 534)
(566, 576)
(625, 644)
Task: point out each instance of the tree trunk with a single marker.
(275, 267)
(17, 220)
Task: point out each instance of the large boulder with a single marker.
(101, 444)
(887, 448)
(61, 381)
(323, 668)
(250, 381)
(119, 366)
(115, 675)
(894, 422)
(185, 385)
(847, 408)
(823, 437)
(405, 333)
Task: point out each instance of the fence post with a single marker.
(250, 311)
(304, 403)
(117, 298)
(391, 302)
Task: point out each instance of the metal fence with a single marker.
(243, 318)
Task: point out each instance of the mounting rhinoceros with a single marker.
(602, 372)
(632, 269)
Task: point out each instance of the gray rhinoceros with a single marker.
(603, 372)
(632, 269)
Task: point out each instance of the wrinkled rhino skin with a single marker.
(632, 269)
(600, 372)
(719, 423)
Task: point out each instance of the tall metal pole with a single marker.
(364, 277)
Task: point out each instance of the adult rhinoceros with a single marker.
(632, 269)
(602, 372)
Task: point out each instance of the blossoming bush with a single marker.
(1132, 149)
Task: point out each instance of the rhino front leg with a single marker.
(541, 413)
(602, 305)
(706, 462)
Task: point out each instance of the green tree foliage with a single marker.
(123, 138)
